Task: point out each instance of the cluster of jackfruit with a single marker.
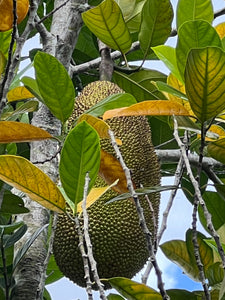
(119, 245)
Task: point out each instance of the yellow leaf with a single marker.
(99, 125)
(220, 28)
(6, 13)
(174, 82)
(150, 107)
(19, 93)
(110, 170)
(15, 132)
(218, 130)
(23, 175)
(94, 195)
(133, 290)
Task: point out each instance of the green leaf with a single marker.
(131, 86)
(107, 23)
(146, 77)
(217, 150)
(167, 55)
(80, 154)
(2, 294)
(111, 102)
(222, 290)
(176, 294)
(12, 204)
(204, 82)
(23, 250)
(133, 290)
(46, 295)
(23, 108)
(205, 250)
(58, 94)
(53, 273)
(155, 24)
(31, 85)
(5, 39)
(177, 252)
(15, 236)
(132, 11)
(85, 46)
(144, 191)
(8, 229)
(16, 79)
(215, 274)
(114, 297)
(216, 207)
(182, 253)
(164, 87)
(194, 34)
(194, 9)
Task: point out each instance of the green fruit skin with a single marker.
(119, 245)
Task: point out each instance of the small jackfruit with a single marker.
(119, 245)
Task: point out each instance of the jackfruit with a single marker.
(119, 245)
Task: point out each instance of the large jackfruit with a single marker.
(119, 245)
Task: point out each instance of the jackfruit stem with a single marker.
(106, 65)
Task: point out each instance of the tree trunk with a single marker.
(60, 42)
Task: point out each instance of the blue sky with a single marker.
(179, 221)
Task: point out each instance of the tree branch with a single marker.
(88, 241)
(93, 64)
(141, 217)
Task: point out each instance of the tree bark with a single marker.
(60, 42)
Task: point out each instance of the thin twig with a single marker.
(10, 54)
(88, 241)
(52, 12)
(198, 197)
(13, 62)
(140, 213)
(177, 180)
(84, 256)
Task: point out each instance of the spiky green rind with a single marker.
(119, 244)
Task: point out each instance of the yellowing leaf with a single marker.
(94, 195)
(100, 126)
(133, 290)
(15, 132)
(6, 13)
(19, 93)
(23, 175)
(204, 82)
(110, 170)
(107, 23)
(217, 150)
(220, 28)
(217, 130)
(174, 82)
(150, 107)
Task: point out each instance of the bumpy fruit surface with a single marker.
(119, 245)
